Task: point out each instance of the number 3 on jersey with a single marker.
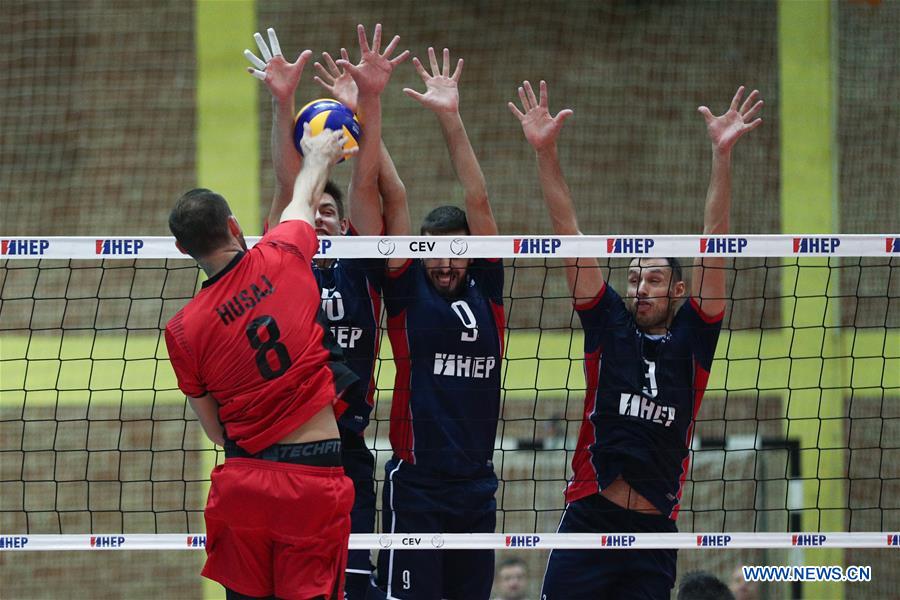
(465, 314)
(263, 347)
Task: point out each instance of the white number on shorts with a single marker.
(407, 579)
(465, 314)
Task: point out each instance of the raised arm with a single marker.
(281, 78)
(708, 281)
(322, 152)
(371, 76)
(542, 130)
(393, 196)
(442, 98)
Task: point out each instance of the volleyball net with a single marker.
(798, 433)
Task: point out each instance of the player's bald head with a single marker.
(199, 221)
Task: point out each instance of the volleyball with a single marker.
(326, 113)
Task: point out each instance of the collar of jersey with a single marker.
(234, 261)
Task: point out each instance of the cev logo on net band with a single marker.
(34, 247)
(459, 246)
(386, 247)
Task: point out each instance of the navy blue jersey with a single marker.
(448, 352)
(643, 394)
(351, 302)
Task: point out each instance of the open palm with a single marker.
(337, 82)
(441, 88)
(728, 128)
(541, 129)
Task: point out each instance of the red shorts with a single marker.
(278, 529)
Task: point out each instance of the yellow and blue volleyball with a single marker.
(326, 113)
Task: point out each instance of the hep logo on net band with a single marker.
(522, 541)
(629, 245)
(893, 539)
(891, 245)
(324, 245)
(618, 541)
(729, 245)
(119, 247)
(808, 539)
(196, 541)
(24, 247)
(716, 541)
(536, 245)
(816, 245)
(107, 541)
(13, 542)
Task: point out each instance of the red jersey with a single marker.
(252, 337)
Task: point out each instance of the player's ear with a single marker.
(345, 225)
(234, 227)
(678, 289)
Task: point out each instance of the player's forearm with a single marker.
(708, 284)
(556, 193)
(308, 188)
(468, 171)
(207, 410)
(285, 158)
(393, 196)
(716, 214)
(364, 209)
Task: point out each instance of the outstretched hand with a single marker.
(541, 129)
(441, 88)
(279, 75)
(336, 81)
(327, 146)
(375, 67)
(728, 128)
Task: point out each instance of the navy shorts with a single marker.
(417, 500)
(589, 574)
(359, 466)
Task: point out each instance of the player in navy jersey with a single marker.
(647, 361)
(351, 288)
(446, 324)
(261, 373)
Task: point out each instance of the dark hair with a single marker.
(199, 221)
(444, 219)
(332, 189)
(511, 562)
(700, 585)
(677, 271)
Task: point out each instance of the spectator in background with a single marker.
(512, 579)
(700, 585)
(741, 588)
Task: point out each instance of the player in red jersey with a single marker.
(262, 374)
